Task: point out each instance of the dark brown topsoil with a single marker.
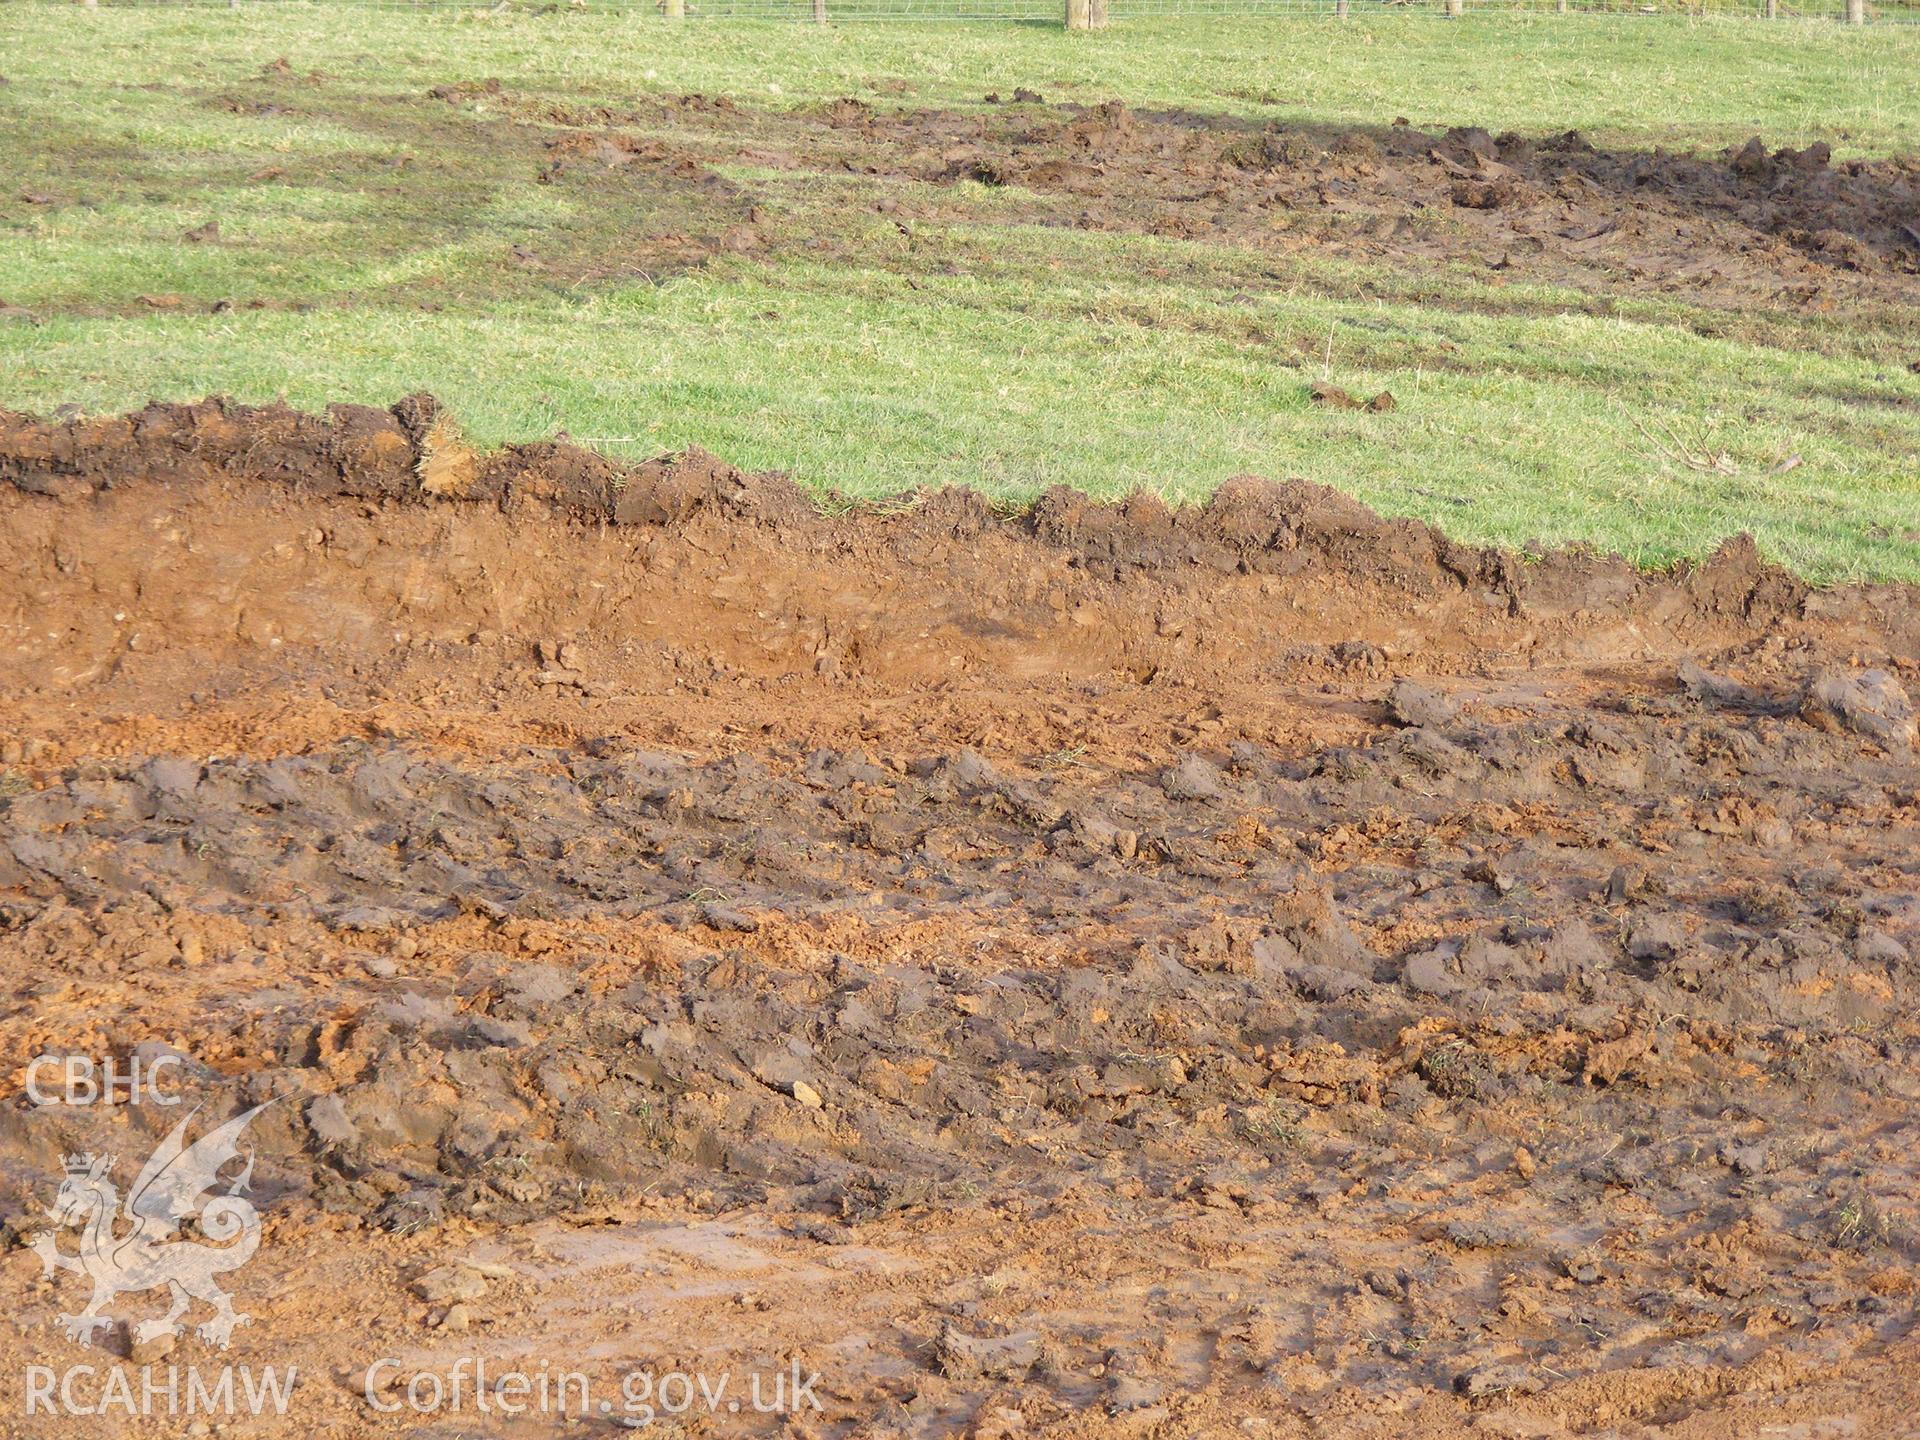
(1737, 227)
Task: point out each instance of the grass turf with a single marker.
(378, 236)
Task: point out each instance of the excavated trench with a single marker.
(1082, 971)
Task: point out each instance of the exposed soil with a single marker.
(1254, 970)
(1728, 228)
(663, 185)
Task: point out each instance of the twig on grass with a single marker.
(1680, 453)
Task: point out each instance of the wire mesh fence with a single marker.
(1858, 12)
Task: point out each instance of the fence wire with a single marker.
(1119, 11)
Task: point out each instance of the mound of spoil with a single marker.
(1259, 969)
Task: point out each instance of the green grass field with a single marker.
(367, 248)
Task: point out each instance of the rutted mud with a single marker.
(1259, 969)
(1734, 227)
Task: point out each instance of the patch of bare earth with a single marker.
(1255, 970)
(1732, 228)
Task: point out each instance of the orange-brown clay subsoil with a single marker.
(1255, 971)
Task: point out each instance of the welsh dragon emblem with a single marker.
(176, 1184)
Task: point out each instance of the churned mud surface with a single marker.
(1255, 970)
(661, 185)
(1733, 227)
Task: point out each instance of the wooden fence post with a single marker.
(1340, 9)
(1773, 9)
(1856, 12)
(1096, 14)
(1455, 9)
(1079, 14)
(819, 12)
(1561, 6)
(674, 9)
